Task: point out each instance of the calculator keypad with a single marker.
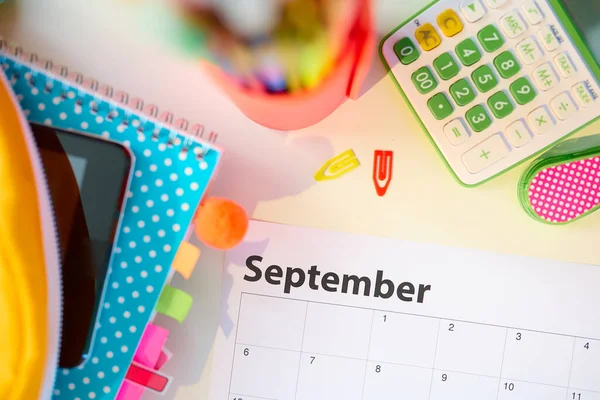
(485, 79)
(541, 120)
(513, 24)
(463, 92)
(493, 68)
(473, 10)
(507, 65)
(545, 77)
(490, 38)
(563, 106)
(468, 52)
(478, 118)
(485, 154)
(532, 12)
(518, 134)
(501, 105)
(424, 80)
(529, 51)
(523, 91)
(440, 106)
(428, 37)
(406, 51)
(456, 132)
(446, 66)
(450, 23)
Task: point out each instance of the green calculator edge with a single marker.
(578, 41)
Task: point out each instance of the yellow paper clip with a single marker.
(337, 166)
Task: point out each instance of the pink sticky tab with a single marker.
(130, 391)
(151, 345)
(164, 357)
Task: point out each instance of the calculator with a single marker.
(493, 82)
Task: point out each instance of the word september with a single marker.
(330, 281)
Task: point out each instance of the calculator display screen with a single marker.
(586, 15)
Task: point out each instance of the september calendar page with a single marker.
(317, 315)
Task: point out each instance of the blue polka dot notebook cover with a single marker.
(172, 170)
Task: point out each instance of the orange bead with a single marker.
(221, 223)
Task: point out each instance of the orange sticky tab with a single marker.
(186, 259)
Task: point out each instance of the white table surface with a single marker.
(271, 173)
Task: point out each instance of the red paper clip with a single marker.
(382, 170)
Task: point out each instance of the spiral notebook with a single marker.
(174, 162)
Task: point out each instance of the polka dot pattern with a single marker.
(565, 192)
(164, 190)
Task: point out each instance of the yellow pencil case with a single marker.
(29, 267)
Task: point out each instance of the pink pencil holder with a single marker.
(306, 108)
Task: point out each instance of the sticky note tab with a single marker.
(130, 391)
(147, 378)
(186, 259)
(151, 345)
(175, 303)
(337, 166)
(165, 356)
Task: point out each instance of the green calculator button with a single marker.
(485, 79)
(490, 38)
(468, 52)
(440, 106)
(462, 92)
(507, 65)
(523, 91)
(424, 80)
(406, 51)
(478, 118)
(501, 105)
(446, 66)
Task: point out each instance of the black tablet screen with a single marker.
(87, 178)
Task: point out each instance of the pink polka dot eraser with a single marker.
(564, 184)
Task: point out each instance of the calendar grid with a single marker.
(301, 347)
(502, 365)
(368, 347)
(501, 379)
(416, 315)
(434, 356)
(571, 367)
(237, 324)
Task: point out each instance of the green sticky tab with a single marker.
(501, 105)
(468, 52)
(478, 118)
(485, 79)
(424, 80)
(523, 91)
(440, 106)
(507, 65)
(175, 303)
(462, 92)
(446, 67)
(490, 38)
(406, 51)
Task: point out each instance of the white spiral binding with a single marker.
(104, 92)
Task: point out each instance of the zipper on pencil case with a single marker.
(51, 252)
